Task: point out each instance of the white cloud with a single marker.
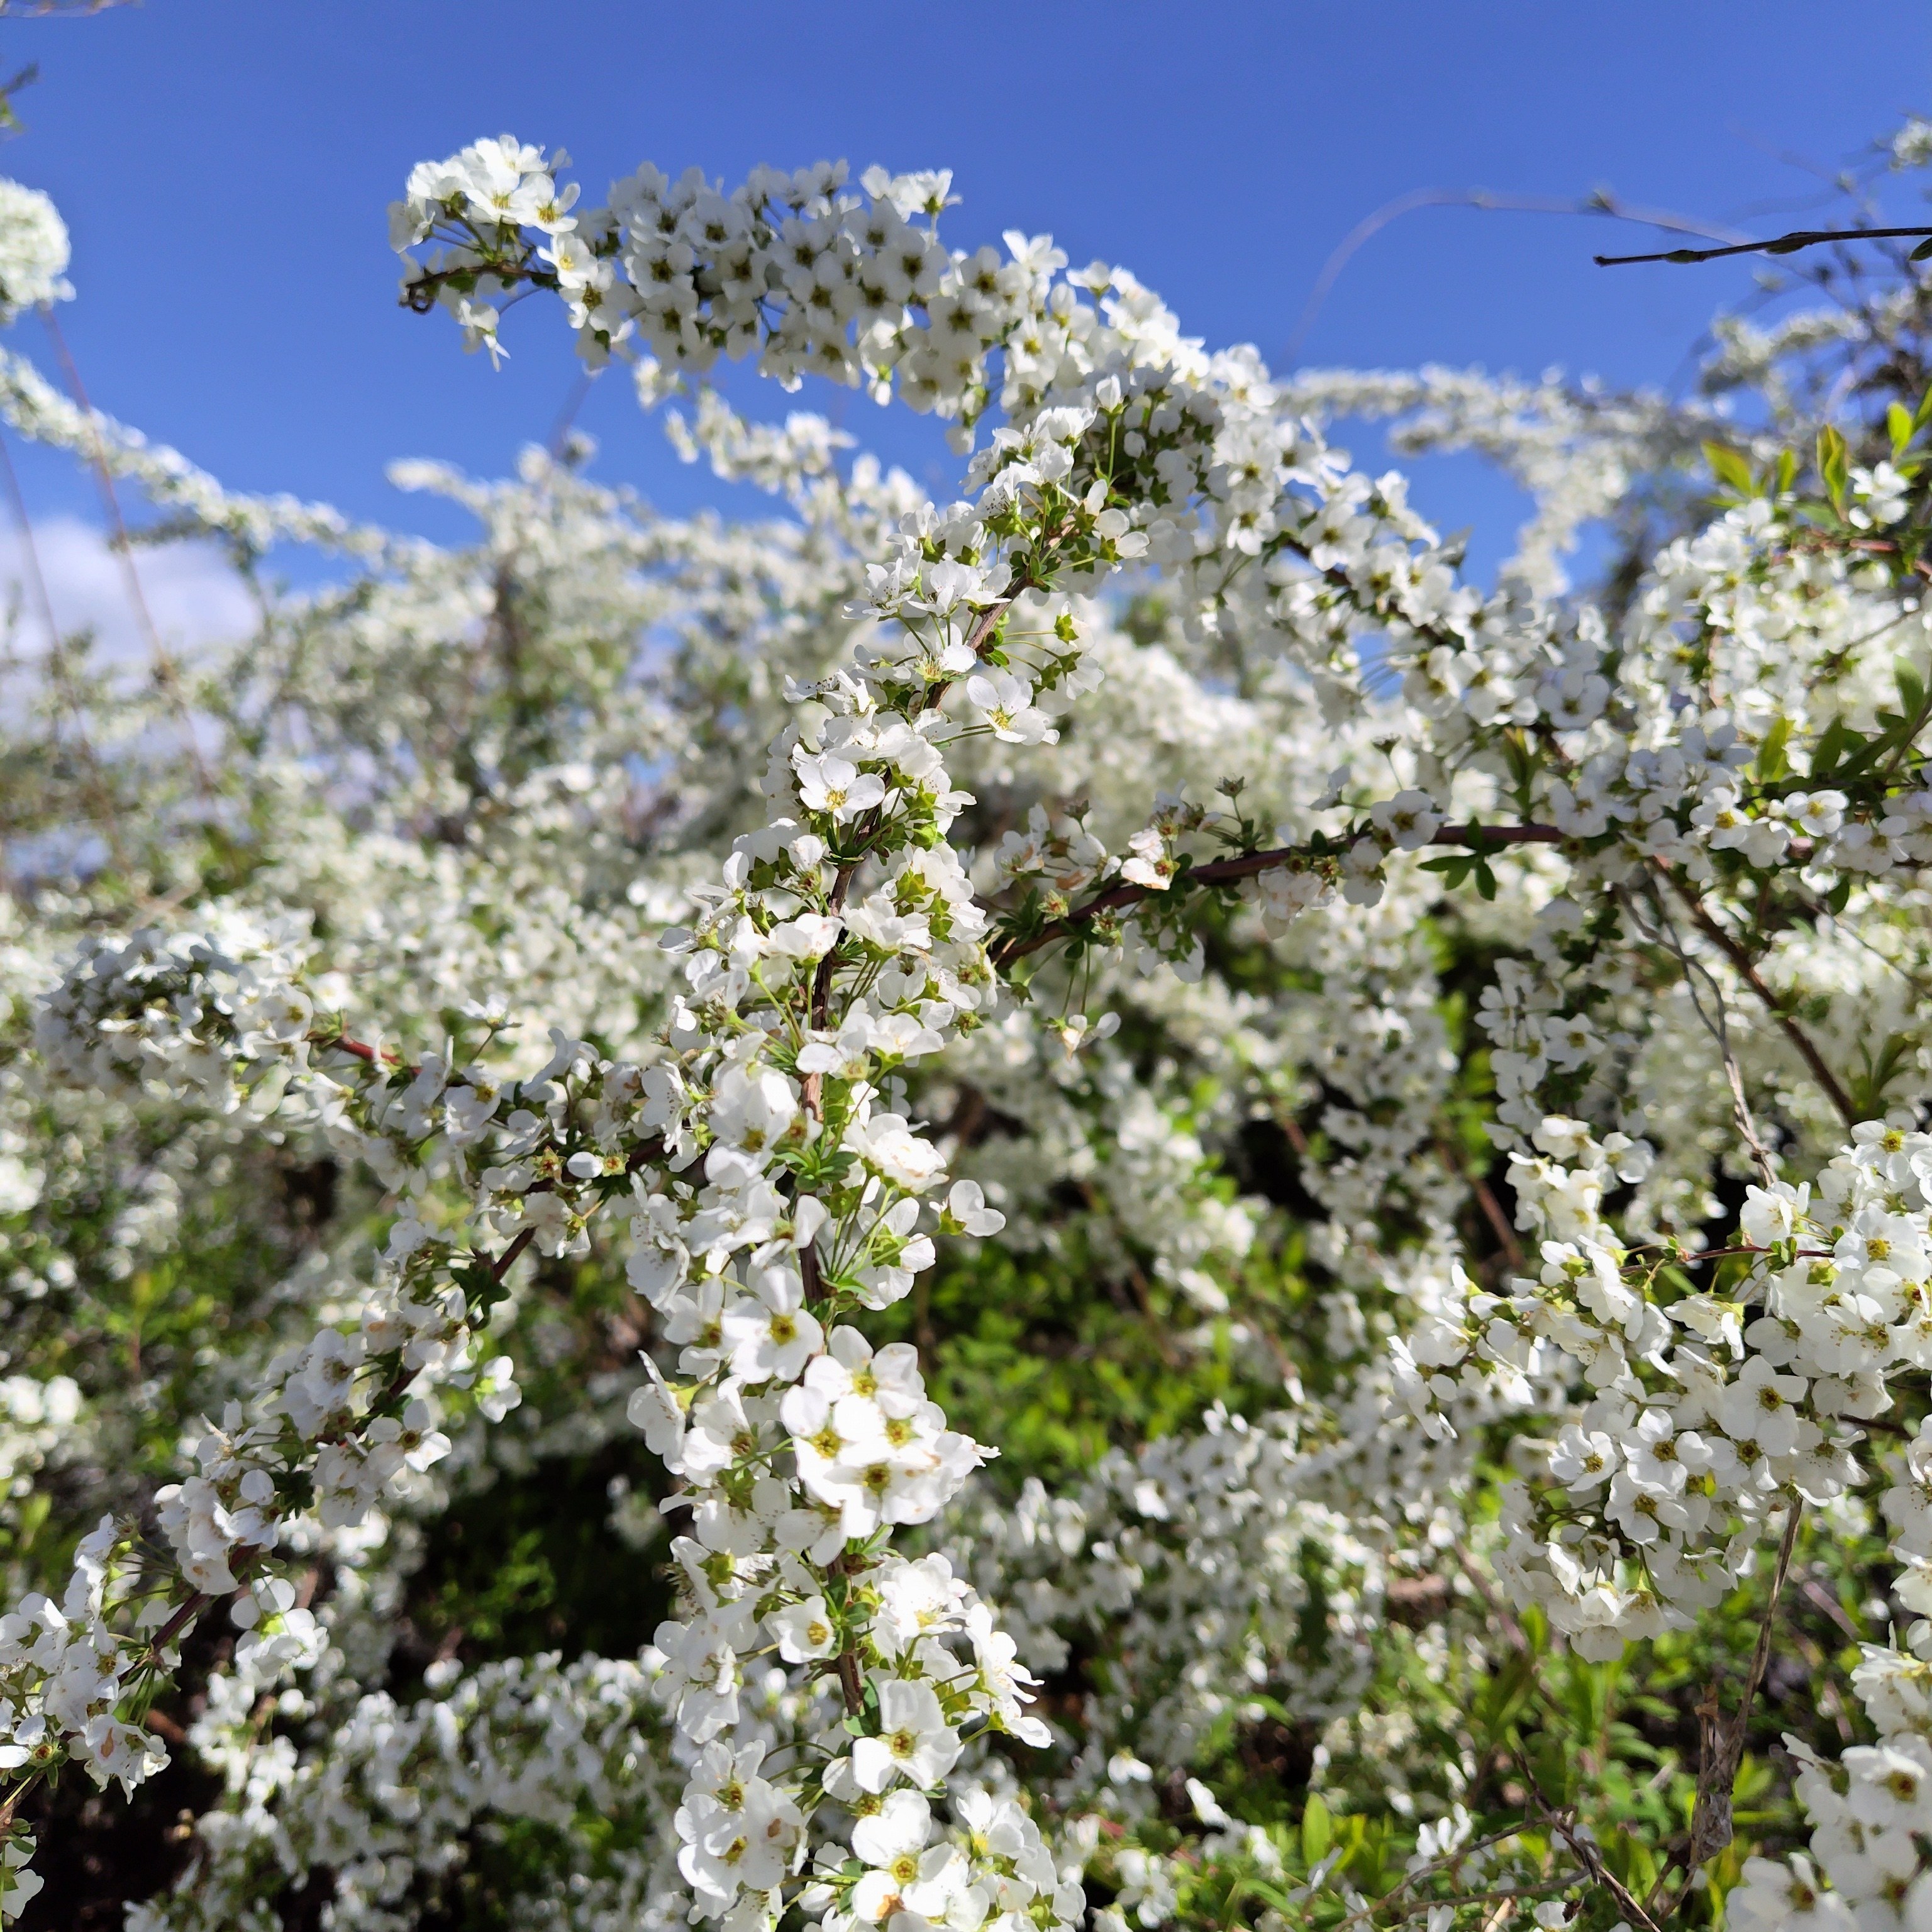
(194, 596)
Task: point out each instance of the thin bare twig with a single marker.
(1592, 1860)
(1600, 201)
(166, 674)
(1451, 1158)
(1716, 1022)
(1746, 970)
(1778, 244)
(1435, 1867)
(100, 795)
(1723, 1740)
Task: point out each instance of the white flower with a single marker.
(1151, 864)
(829, 783)
(655, 1410)
(1641, 1512)
(769, 1334)
(805, 1631)
(1410, 819)
(1581, 1461)
(914, 1741)
(810, 936)
(1003, 700)
(1771, 1215)
(1758, 1407)
(1775, 1896)
(751, 1109)
(887, 1145)
(19, 1886)
(966, 1212)
(908, 1883)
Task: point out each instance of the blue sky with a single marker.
(225, 166)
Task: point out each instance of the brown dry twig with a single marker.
(1777, 244)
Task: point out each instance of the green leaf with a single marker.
(1455, 869)
(1550, 1763)
(33, 1517)
(1839, 739)
(1839, 897)
(1486, 880)
(1866, 753)
(1922, 414)
(1643, 1870)
(1923, 252)
(1787, 470)
(1879, 1073)
(1730, 468)
(1898, 421)
(1834, 466)
(1911, 690)
(1505, 1692)
(1368, 1856)
(1630, 1860)
(1772, 764)
(1318, 1831)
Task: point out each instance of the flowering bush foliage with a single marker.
(1124, 1207)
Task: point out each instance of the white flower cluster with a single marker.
(812, 279)
(384, 1808)
(38, 410)
(801, 997)
(60, 1682)
(1191, 1561)
(1870, 1808)
(1705, 1413)
(183, 1012)
(1575, 454)
(34, 250)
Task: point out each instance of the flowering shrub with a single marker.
(550, 1107)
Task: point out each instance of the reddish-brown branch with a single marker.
(1746, 970)
(849, 1685)
(419, 293)
(1247, 865)
(502, 1265)
(341, 1043)
(1486, 1199)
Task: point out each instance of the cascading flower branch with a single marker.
(779, 1190)
(778, 1193)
